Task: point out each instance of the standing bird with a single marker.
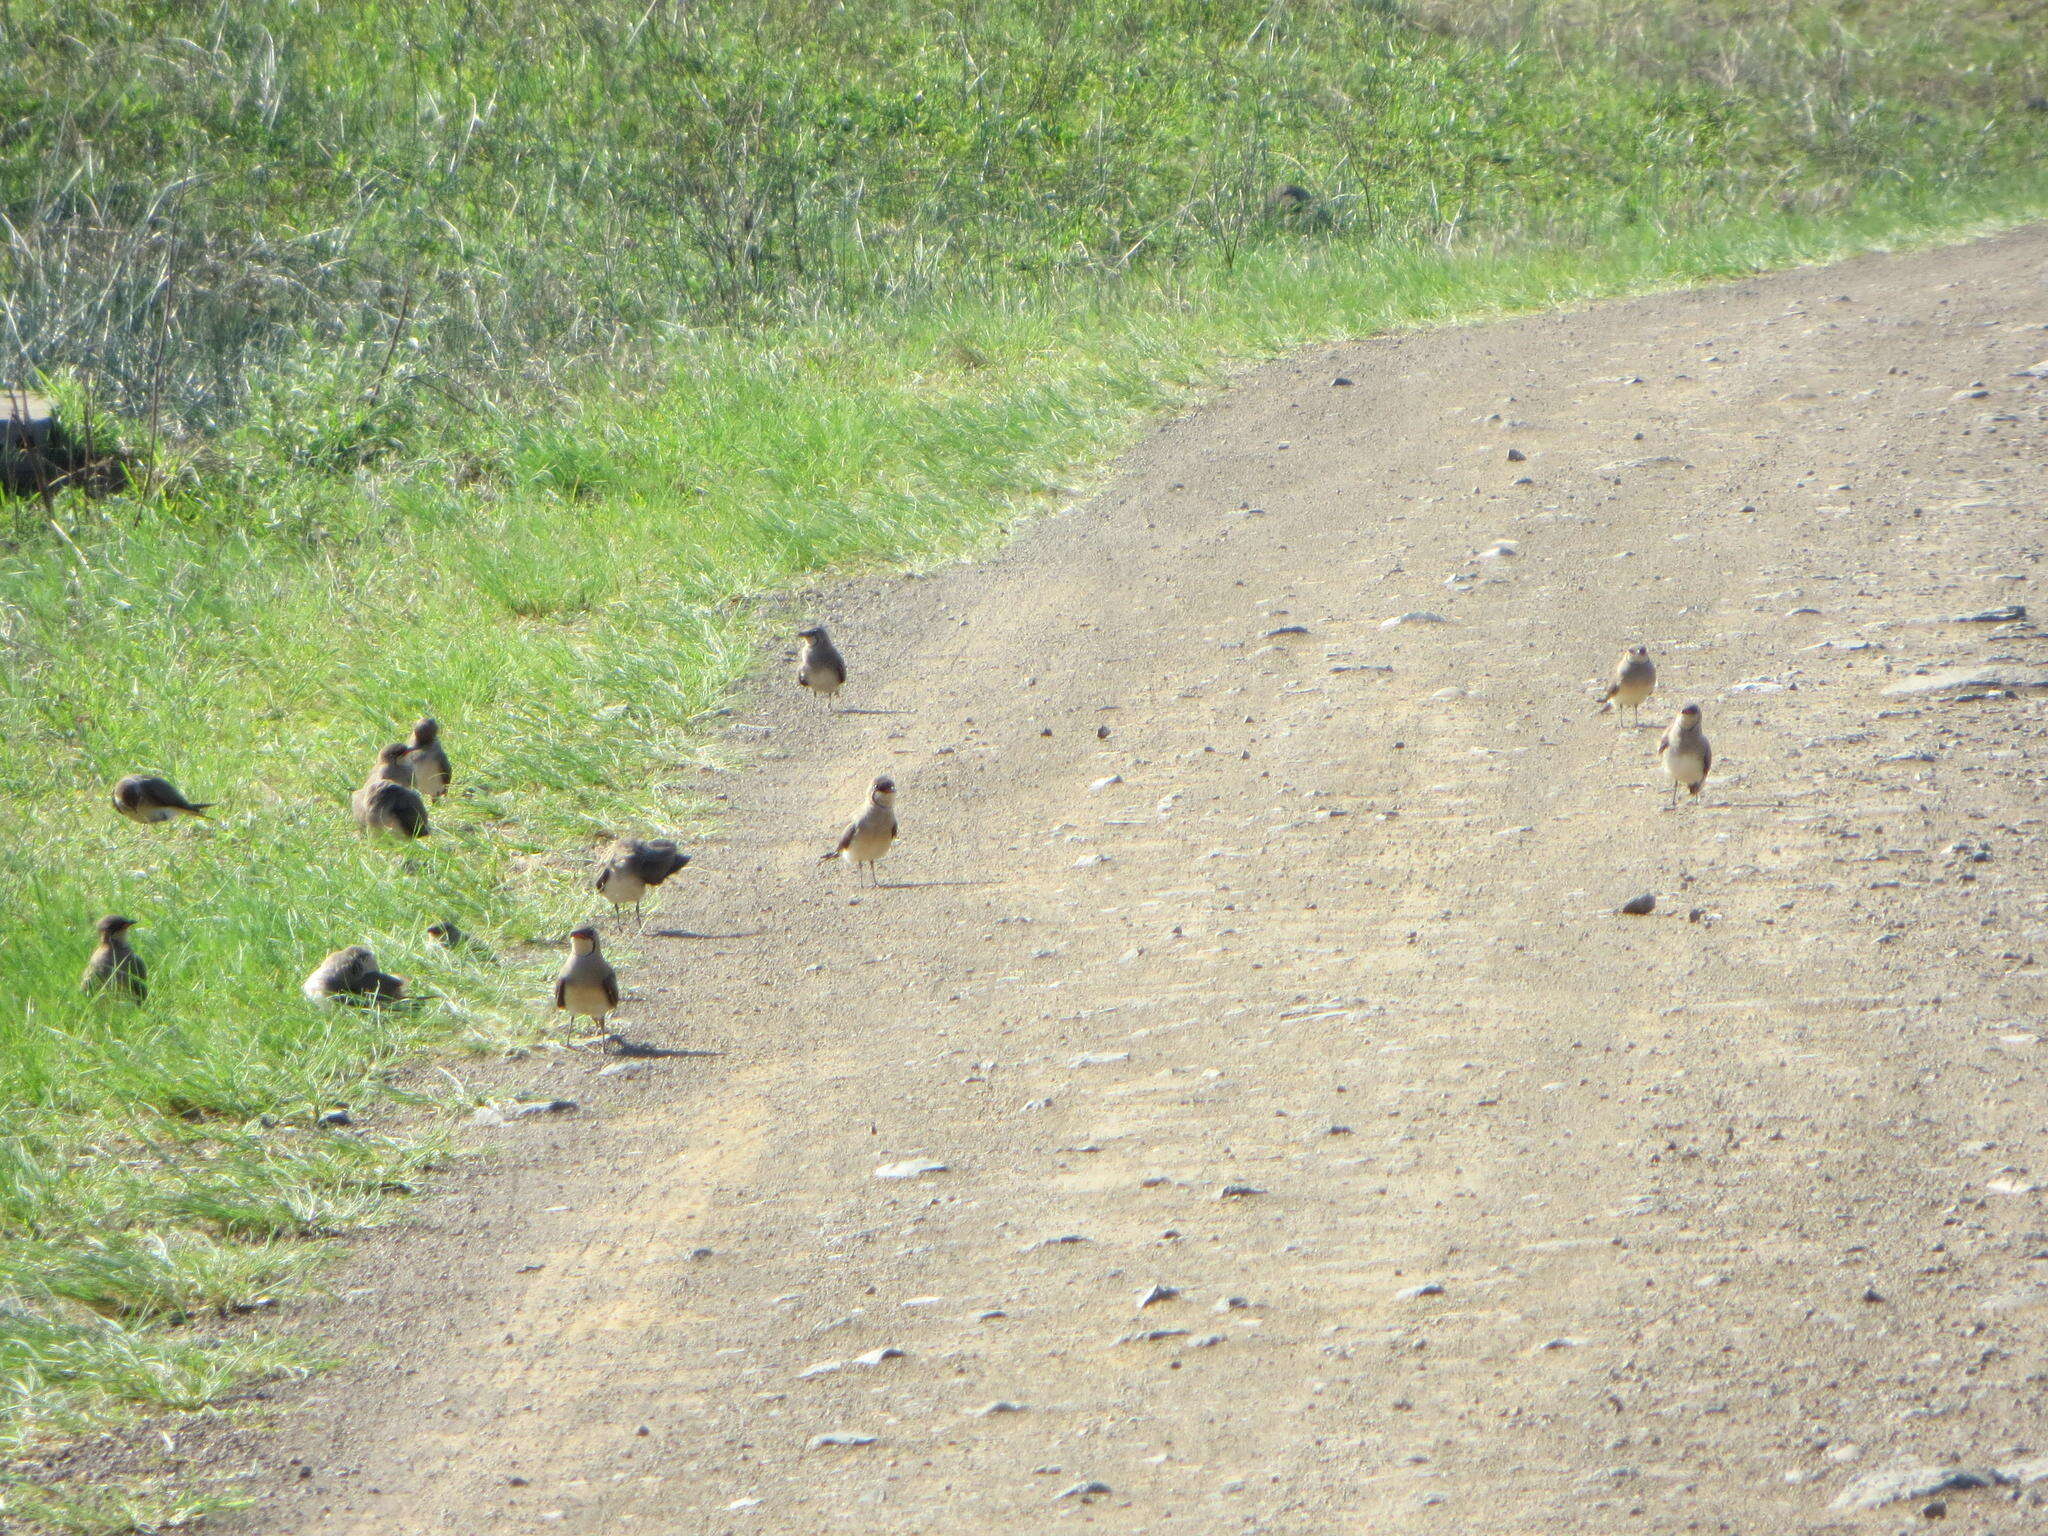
(428, 760)
(632, 868)
(588, 986)
(351, 976)
(114, 967)
(1635, 679)
(821, 669)
(1685, 753)
(873, 830)
(387, 802)
(142, 798)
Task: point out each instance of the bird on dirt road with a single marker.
(387, 802)
(632, 867)
(821, 668)
(1685, 753)
(587, 986)
(1635, 679)
(146, 799)
(428, 760)
(114, 967)
(351, 976)
(872, 831)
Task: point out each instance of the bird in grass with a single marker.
(821, 668)
(387, 802)
(114, 967)
(428, 760)
(588, 986)
(1635, 679)
(872, 831)
(633, 867)
(351, 976)
(447, 935)
(145, 799)
(1685, 753)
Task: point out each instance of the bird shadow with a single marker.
(854, 710)
(920, 885)
(642, 1050)
(686, 933)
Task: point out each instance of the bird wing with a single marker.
(892, 826)
(611, 986)
(846, 838)
(1664, 741)
(561, 983)
(1706, 759)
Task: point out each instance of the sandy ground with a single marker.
(1210, 880)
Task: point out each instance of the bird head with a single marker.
(114, 927)
(582, 940)
(883, 789)
(426, 732)
(1639, 652)
(393, 753)
(1690, 714)
(815, 632)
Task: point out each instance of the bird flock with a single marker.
(406, 778)
(407, 775)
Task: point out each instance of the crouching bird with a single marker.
(822, 669)
(146, 799)
(114, 967)
(387, 802)
(588, 987)
(632, 867)
(351, 976)
(873, 830)
(428, 760)
(1685, 752)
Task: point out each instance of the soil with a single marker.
(1248, 952)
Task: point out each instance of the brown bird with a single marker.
(873, 830)
(387, 802)
(633, 867)
(114, 967)
(588, 986)
(428, 760)
(351, 976)
(1685, 753)
(1635, 679)
(822, 669)
(447, 935)
(143, 798)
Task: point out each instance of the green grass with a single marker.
(497, 361)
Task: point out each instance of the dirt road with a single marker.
(1212, 880)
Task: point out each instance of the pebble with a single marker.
(1098, 1059)
(1946, 678)
(540, 1107)
(1238, 1192)
(1427, 1288)
(1874, 1490)
(1340, 382)
(910, 1168)
(840, 1437)
(1231, 1304)
(1640, 906)
(1000, 1405)
(1285, 629)
(1516, 456)
(1087, 1490)
(1157, 1294)
(1104, 783)
(1152, 1335)
(335, 1117)
(2010, 613)
(877, 1356)
(1418, 616)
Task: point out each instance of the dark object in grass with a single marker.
(447, 935)
(39, 458)
(146, 799)
(387, 802)
(1640, 906)
(335, 1118)
(632, 867)
(351, 976)
(114, 967)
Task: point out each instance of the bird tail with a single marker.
(201, 809)
(827, 858)
(1607, 701)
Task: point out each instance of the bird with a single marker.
(387, 802)
(821, 669)
(633, 867)
(146, 799)
(447, 935)
(1685, 753)
(1635, 679)
(872, 831)
(114, 967)
(351, 976)
(428, 760)
(587, 986)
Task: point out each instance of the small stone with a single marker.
(1098, 1059)
(1340, 382)
(1104, 783)
(1516, 456)
(1934, 1509)
(1157, 1294)
(1874, 1490)
(1238, 1192)
(700, 1254)
(1427, 1288)
(1285, 629)
(877, 1356)
(1871, 1295)
(335, 1117)
(1206, 1341)
(1000, 1405)
(1090, 860)
(1152, 1335)
(1102, 733)
(910, 1168)
(1417, 616)
(2009, 613)
(1087, 1490)
(1970, 394)
(840, 1437)
(1056, 1242)
(540, 1107)
(1640, 906)
(1231, 1304)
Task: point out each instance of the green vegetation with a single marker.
(492, 359)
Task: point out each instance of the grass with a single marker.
(494, 362)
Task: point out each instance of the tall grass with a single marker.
(495, 358)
